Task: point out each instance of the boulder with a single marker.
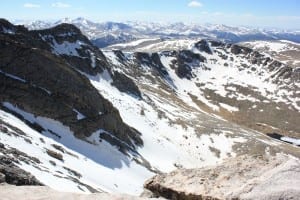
(243, 177)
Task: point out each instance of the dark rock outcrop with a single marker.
(10, 173)
(153, 61)
(38, 81)
(125, 84)
(203, 45)
(185, 61)
(9, 28)
(120, 55)
(215, 43)
(184, 71)
(237, 49)
(158, 65)
(89, 59)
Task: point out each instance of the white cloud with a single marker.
(31, 5)
(60, 5)
(195, 4)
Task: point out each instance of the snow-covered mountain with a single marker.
(286, 51)
(107, 33)
(83, 120)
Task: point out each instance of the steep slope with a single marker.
(43, 84)
(60, 160)
(122, 117)
(64, 92)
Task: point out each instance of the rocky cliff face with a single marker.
(42, 73)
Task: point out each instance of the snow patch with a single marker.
(229, 108)
(80, 116)
(8, 31)
(67, 48)
(291, 140)
(12, 76)
(93, 59)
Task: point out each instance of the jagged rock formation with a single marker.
(260, 177)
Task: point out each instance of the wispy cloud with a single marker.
(31, 5)
(60, 5)
(195, 4)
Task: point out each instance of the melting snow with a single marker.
(79, 115)
(8, 31)
(67, 48)
(133, 43)
(229, 108)
(12, 76)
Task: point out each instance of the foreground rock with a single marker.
(10, 192)
(244, 177)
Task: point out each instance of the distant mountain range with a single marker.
(108, 33)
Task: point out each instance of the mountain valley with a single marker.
(83, 119)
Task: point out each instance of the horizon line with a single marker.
(21, 22)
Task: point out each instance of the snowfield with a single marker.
(132, 43)
(276, 46)
(154, 45)
(99, 164)
(164, 145)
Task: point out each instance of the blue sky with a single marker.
(258, 13)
